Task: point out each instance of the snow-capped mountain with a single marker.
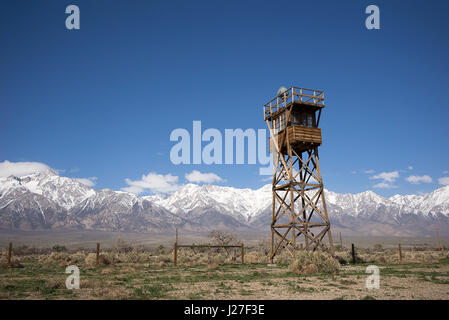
(48, 201)
(66, 192)
(242, 204)
(431, 204)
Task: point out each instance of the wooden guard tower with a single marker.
(299, 213)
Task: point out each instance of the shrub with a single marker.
(91, 260)
(59, 248)
(308, 262)
(255, 257)
(338, 247)
(77, 257)
(123, 246)
(24, 250)
(55, 257)
(134, 257)
(378, 247)
(222, 238)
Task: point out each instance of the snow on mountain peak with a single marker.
(243, 204)
(236, 202)
(67, 192)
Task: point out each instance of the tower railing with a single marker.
(293, 94)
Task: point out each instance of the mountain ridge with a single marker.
(48, 201)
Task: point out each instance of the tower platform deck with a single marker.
(293, 95)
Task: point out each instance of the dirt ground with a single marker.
(38, 278)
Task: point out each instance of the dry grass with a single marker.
(91, 260)
(308, 262)
(391, 256)
(309, 277)
(138, 274)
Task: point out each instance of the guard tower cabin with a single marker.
(294, 117)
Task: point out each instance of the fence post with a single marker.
(400, 252)
(353, 253)
(98, 254)
(9, 254)
(175, 254)
(243, 254)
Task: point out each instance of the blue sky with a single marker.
(102, 101)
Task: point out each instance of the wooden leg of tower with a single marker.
(329, 234)
(323, 199)
(272, 230)
(331, 244)
(273, 205)
(306, 185)
(303, 174)
(291, 189)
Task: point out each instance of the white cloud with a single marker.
(370, 171)
(156, 183)
(445, 172)
(410, 167)
(419, 179)
(384, 185)
(388, 179)
(90, 182)
(198, 177)
(387, 176)
(443, 181)
(354, 172)
(20, 169)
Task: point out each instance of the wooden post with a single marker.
(9, 254)
(353, 253)
(400, 252)
(175, 253)
(175, 250)
(98, 254)
(243, 254)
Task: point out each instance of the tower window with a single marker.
(307, 120)
(282, 121)
(295, 118)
